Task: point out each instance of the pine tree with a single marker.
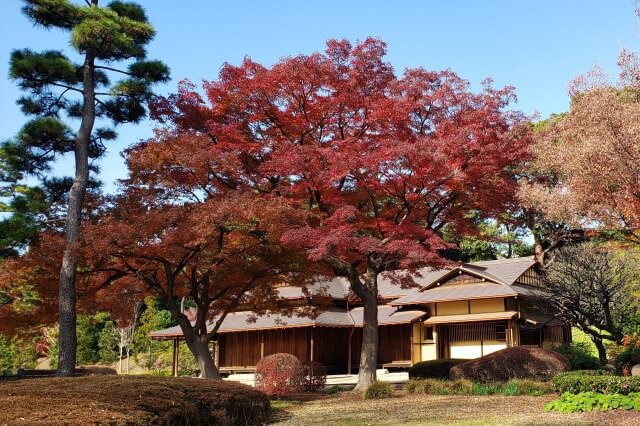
(58, 90)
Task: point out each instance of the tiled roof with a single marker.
(387, 315)
(489, 316)
(498, 278)
(456, 292)
(246, 321)
(387, 289)
(507, 270)
(337, 288)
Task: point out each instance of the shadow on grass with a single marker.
(281, 407)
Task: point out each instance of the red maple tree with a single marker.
(379, 164)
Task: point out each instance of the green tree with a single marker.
(108, 343)
(16, 354)
(154, 317)
(58, 89)
(8, 355)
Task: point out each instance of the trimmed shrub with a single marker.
(522, 362)
(279, 375)
(590, 401)
(604, 383)
(379, 390)
(131, 400)
(580, 356)
(466, 387)
(428, 387)
(434, 369)
(461, 387)
(315, 376)
(586, 373)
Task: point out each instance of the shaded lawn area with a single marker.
(349, 409)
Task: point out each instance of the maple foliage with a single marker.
(326, 162)
(592, 155)
(221, 253)
(379, 163)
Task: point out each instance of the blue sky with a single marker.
(536, 46)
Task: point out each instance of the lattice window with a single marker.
(491, 330)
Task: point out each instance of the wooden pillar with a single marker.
(312, 345)
(176, 357)
(216, 353)
(349, 350)
(261, 344)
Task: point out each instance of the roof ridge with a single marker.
(507, 260)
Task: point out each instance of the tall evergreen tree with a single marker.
(59, 89)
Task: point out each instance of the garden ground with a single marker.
(350, 409)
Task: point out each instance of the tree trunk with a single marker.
(67, 291)
(369, 351)
(602, 351)
(200, 349)
(128, 358)
(538, 253)
(120, 362)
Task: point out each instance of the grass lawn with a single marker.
(349, 409)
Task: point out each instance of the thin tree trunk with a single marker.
(120, 362)
(67, 291)
(602, 351)
(369, 350)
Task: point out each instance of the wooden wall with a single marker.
(330, 345)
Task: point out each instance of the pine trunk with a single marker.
(67, 291)
(369, 350)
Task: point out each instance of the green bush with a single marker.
(466, 387)
(590, 401)
(16, 354)
(335, 389)
(527, 387)
(580, 356)
(486, 388)
(434, 369)
(379, 390)
(603, 383)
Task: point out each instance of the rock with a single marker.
(635, 370)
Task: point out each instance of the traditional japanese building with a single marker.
(464, 312)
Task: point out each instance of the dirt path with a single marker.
(350, 410)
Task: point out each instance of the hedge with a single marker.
(130, 400)
(434, 369)
(466, 387)
(604, 384)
